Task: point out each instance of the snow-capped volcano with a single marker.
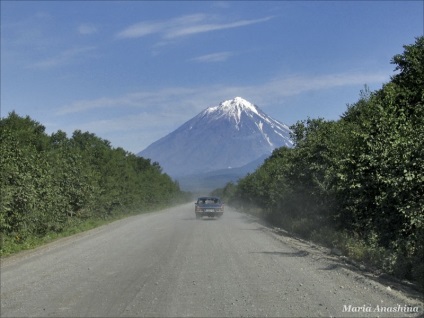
(232, 109)
(235, 109)
(230, 135)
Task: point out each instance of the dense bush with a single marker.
(50, 182)
(362, 175)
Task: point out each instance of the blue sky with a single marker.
(133, 71)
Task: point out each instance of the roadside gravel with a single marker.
(168, 264)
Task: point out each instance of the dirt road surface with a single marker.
(168, 264)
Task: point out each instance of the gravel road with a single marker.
(168, 264)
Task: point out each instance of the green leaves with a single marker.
(49, 182)
(363, 173)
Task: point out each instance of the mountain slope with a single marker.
(209, 181)
(229, 135)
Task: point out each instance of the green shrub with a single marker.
(360, 177)
(51, 183)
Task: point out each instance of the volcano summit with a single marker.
(230, 135)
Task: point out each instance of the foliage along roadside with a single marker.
(51, 183)
(356, 183)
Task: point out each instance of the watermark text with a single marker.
(371, 309)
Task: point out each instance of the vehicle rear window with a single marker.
(208, 201)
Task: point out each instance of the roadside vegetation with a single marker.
(355, 184)
(53, 186)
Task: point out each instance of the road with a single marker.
(168, 264)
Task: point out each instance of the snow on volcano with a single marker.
(232, 134)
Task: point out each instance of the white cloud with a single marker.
(221, 4)
(214, 57)
(87, 29)
(64, 57)
(198, 98)
(151, 101)
(294, 85)
(183, 26)
(208, 27)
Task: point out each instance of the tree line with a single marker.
(49, 182)
(356, 183)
